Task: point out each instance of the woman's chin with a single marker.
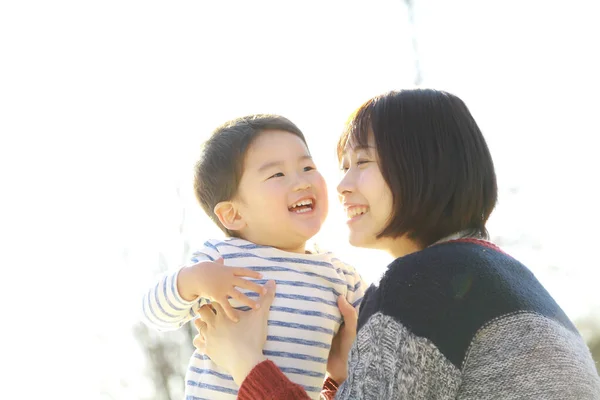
(359, 239)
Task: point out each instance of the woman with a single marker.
(454, 317)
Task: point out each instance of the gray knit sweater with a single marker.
(462, 320)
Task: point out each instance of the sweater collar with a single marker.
(458, 236)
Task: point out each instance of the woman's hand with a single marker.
(337, 363)
(235, 346)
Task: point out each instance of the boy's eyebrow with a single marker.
(272, 164)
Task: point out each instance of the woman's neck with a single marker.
(402, 246)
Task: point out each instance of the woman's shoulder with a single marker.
(456, 271)
(447, 269)
(447, 292)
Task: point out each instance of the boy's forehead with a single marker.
(267, 140)
(275, 147)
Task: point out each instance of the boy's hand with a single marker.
(214, 281)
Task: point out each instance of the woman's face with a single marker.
(366, 197)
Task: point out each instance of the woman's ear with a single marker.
(229, 216)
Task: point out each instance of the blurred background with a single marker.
(103, 106)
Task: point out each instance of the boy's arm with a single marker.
(165, 305)
(176, 298)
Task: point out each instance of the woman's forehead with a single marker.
(351, 148)
(357, 137)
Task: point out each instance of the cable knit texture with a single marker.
(537, 358)
(463, 320)
(389, 362)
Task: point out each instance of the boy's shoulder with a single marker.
(231, 245)
(332, 257)
(339, 264)
(213, 249)
(232, 242)
(235, 247)
(338, 261)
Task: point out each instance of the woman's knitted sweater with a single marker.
(460, 320)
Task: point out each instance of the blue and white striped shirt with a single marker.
(304, 316)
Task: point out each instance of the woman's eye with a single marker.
(277, 175)
(362, 162)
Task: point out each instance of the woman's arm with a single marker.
(266, 381)
(237, 347)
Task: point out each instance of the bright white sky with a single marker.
(103, 106)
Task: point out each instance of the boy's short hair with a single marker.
(218, 172)
(434, 159)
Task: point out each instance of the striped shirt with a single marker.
(303, 319)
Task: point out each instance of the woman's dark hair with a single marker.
(434, 159)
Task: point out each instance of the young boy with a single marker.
(258, 183)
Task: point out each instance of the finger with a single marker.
(238, 271)
(242, 298)
(348, 312)
(220, 261)
(249, 285)
(207, 314)
(201, 326)
(199, 343)
(224, 308)
(265, 301)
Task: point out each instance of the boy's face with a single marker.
(282, 198)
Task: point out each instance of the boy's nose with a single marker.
(302, 184)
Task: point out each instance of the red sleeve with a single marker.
(330, 388)
(267, 382)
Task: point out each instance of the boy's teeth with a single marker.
(354, 211)
(303, 210)
(307, 202)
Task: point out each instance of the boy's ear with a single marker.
(229, 216)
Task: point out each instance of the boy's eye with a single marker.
(277, 175)
(309, 168)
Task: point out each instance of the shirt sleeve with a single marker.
(162, 306)
(356, 286)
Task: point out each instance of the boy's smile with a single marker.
(303, 206)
